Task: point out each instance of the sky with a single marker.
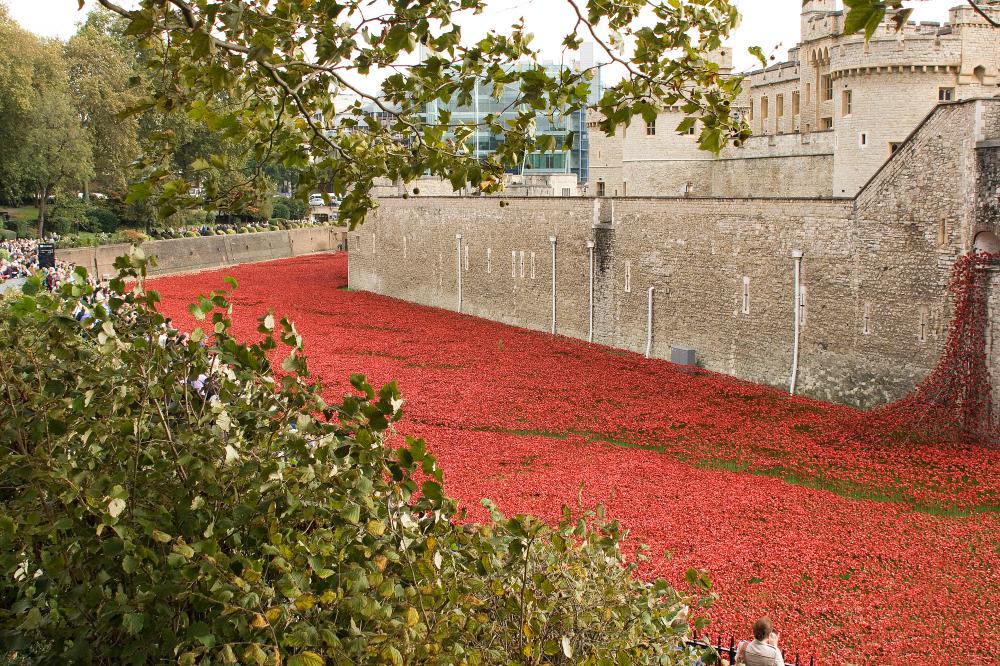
(771, 24)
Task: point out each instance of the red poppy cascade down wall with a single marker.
(718, 275)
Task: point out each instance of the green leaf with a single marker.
(432, 490)
(133, 622)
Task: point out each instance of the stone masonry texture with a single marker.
(875, 268)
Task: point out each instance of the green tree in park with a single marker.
(102, 69)
(42, 145)
(55, 151)
(16, 99)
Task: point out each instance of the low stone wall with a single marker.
(183, 255)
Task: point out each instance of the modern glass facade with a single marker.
(484, 142)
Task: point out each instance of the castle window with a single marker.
(513, 263)
(826, 123)
(867, 329)
(522, 263)
(532, 265)
(651, 128)
(863, 140)
(466, 250)
(600, 188)
(628, 277)
(489, 260)
(827, 82)
(894, 146)
(745, 307)
(404, 247)
(946, 94)
(979, 73)
(795, 103)
(845, 102)
(751, 108)
(779, 106)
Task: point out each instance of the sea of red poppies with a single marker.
(862, 547)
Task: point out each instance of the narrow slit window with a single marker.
(867, 329)
(373, 243)
(532, 265)
(404, 247)
(522, 263)
(466, 257)
(628, 277)
(863, 140)
(924, 323)
(745, 308)
(513, 263)
(489, 260)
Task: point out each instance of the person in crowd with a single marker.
(763, 649)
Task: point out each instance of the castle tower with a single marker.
(814, 13)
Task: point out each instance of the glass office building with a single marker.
(483, 142)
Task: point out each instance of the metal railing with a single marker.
(705, 642)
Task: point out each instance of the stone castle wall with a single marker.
(184, 255)
(861, 97)
(874, 306)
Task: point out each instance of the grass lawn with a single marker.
(24, 213)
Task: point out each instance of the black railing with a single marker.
(705, 642)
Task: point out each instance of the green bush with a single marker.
(103, 219)
(141, 522)
(66, 215)
(279, 208)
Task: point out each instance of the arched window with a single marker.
(987, 241)
(979, 73)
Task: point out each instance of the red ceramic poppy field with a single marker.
(862, 546)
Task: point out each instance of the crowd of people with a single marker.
(19, 259)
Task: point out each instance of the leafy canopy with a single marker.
(171, 501)
(266, 75)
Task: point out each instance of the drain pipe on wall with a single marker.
(797, 258)
(458, 239)
(649, 324)
(590, 247)
(552, 239)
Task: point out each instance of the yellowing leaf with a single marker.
(259, 621)
(305, 602)
(115, 507)
(412, 617)
(306, 659)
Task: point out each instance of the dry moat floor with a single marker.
(862, 547)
